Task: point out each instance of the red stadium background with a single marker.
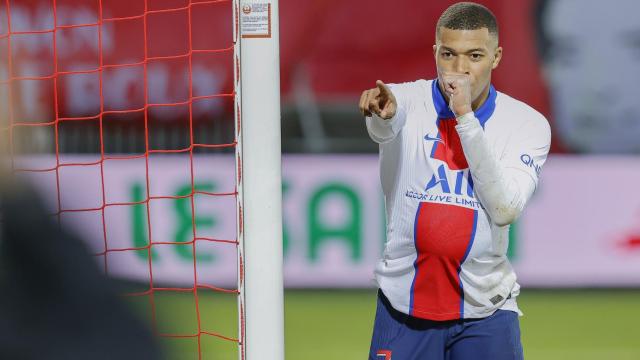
(344, 46)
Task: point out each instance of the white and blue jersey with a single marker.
(451, 188)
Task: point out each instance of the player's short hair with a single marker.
(468, 16)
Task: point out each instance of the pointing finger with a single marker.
(384, 89)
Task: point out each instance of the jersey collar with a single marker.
(483, 113)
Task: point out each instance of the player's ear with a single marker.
(497, 56)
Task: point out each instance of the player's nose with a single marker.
(461, 66)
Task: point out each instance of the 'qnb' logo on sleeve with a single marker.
(528, 160)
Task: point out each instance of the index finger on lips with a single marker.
(449, 85)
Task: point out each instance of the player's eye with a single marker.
(476, 56)
(447, 54)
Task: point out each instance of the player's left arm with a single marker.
(504, 185)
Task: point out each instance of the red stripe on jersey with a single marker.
(450, 149)
(443, 234)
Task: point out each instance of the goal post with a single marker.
(108, 84)
(258, 157)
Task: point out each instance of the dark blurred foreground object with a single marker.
(54, 302)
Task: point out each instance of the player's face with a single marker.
(593, 71)
(472, 52)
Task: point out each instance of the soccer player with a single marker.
(458, 162)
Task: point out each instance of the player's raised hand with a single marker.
(379, 100)
(458, 88)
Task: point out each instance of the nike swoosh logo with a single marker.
(429, 138)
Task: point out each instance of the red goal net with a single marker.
(122, 111)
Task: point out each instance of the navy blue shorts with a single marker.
(397, 336)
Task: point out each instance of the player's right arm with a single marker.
(384, 109)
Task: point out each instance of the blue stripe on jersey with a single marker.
(415, 263)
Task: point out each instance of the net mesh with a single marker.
(108, 70)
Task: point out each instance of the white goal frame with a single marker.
(258, 174)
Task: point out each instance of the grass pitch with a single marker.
(321, 325)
